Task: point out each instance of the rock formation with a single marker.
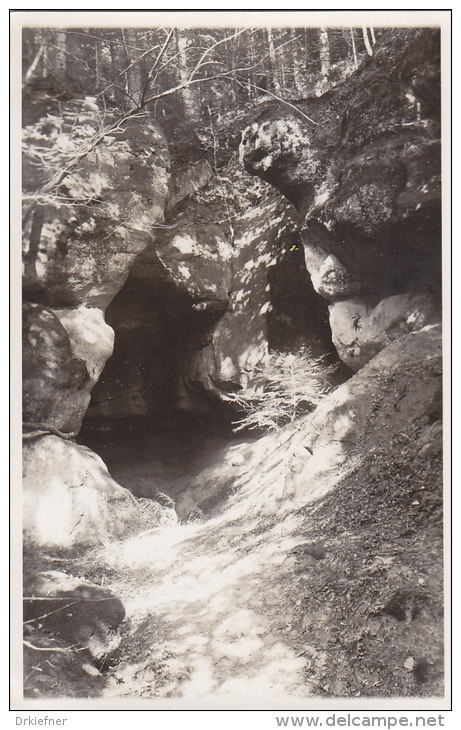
(362, 165)
(193, 270)
(154, 287)
(79, 244)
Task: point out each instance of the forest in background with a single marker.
(191, 74)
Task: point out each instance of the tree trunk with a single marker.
(97, 61)
(44, 64)
(367, 41)
(282, 75)
(354, 52)
(33, 66)
(324, 53)
(134, 76)
(30, 258)
(188, 93)
(60, 56)
(119, 97)
(231, 53)
(297, 64)
(273, 62)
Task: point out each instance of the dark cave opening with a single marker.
(154, 433)
(299, 317)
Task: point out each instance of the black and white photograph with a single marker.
(235, 411)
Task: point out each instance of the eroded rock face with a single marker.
(206, 300)
(408, 370)
(64, 353)
(330, 277)
(239, 340)
(188, 181)
(91, 338)
(81, 239)
(280, 151)
(361, 331)
(54, 380)
(367, 184)
(399, 389)
(70, 498)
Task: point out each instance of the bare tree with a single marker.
(273, 62)
(60, 56)
(324, 52)
(366, 41)
(189, 96)
(354, 52)
(297, 63)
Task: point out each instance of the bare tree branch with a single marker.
(127, 68)
(283, 101)
(102, 39)
(157, 61)
(73, 647)
(211, 48)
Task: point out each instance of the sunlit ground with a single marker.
(209, 602)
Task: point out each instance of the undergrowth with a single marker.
(286, 386)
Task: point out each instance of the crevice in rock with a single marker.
(299, 316)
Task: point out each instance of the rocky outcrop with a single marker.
(281, 152)
(70, 499)
(399, 386)
(360, 332)
(64, 353)
(362, 165)
(398, 391)
(197, 298)
(219, 286)
(70, 626)
(240, 340)
(187, 182)
(81, 239)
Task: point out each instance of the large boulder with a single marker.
(240, 339)
(54, 381)
(402, 384)
(81, 237)
(394, 396)
(205, 302)
(186, 182)
(281, 152)
(324, 257)
(360, 331)
(64, 352)
(70, 626)
(70, 498)
(91, 338)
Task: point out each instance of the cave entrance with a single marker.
(153, 434)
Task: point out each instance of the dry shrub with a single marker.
(288, 386)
